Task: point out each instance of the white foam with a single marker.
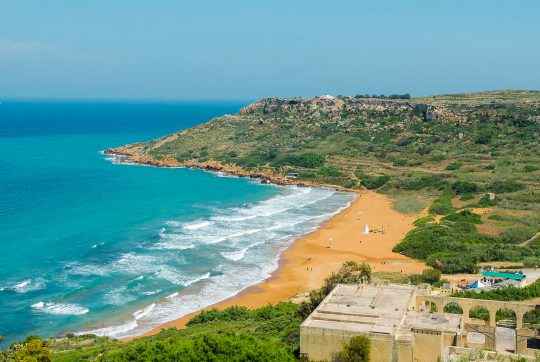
(196, 225)
(234, 255)
(233, 235)
(59, 308)
(118, 330)
(143, 312)
(23, 284)
(26, 286)
(152, 292)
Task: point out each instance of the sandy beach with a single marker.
(310, 259)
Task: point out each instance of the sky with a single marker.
(235, 49)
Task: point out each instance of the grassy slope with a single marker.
(478, 138)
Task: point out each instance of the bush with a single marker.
(31, 349)
(330, 171)
(516, 234)
(442, 205)
(431, 276)
(423, 220)
(357, 350)
(530, 168)
(452, 263)
(464, 216)
(307, 160)
(487, 202)
(374, 182)
(399, 162)
(436, 181)
(437, 158)
(465, 187)
(484, 136)
(207, 347)
(467, 197)
(506, 186)
(453, 166)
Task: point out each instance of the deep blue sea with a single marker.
(116, 249)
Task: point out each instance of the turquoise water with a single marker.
(90, 245)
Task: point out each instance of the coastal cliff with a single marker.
(341, 141)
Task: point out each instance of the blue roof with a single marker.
(513, 276)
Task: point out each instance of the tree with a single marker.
(351, 272)
(431, 276)
(357, 350)
(33, 350)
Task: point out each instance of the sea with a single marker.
(88, 245)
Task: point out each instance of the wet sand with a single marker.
(310, 259)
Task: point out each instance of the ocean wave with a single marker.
(234, 255)
(26, 286)
(234, 218)
(174, 276)
(152, 292)
(231, 236)
(196, 225)
(143, 312)
(59, 308)
(269, 226)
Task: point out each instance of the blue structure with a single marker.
(512, 276)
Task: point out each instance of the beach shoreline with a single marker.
(305, 264)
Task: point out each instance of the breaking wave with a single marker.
(59, 308)
(242, 243)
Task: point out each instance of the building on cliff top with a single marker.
(400, 322)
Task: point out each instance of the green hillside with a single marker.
(443, 152)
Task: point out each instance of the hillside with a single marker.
(446, 151)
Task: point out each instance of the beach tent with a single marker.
(478, 284)
(366, 229)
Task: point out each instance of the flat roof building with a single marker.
(407, 323)
(384, 313)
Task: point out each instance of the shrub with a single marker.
(399, 162)
(505, 186)
(484, 136)
(207, 347)
(453, 166)
(487, 202)
(330, 171)
(357, 350)
(516, 234)
(467, 197)
(530, 168)
(423, 220)
(436, 181)
(464, 216)
(437, 158)
(442, 205)
(465, 187)
(431, 276)
(374, 182)
(452, 263)
(307, 160)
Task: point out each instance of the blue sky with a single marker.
(135, 49)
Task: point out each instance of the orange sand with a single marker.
(309, 260)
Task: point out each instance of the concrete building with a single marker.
(404, 323)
